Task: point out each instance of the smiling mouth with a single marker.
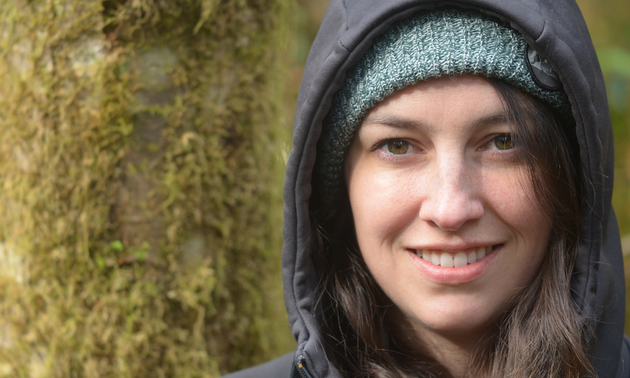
(453, 259)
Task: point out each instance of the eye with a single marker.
(396, 147)
(503, 142)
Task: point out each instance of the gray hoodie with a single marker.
(554, 28)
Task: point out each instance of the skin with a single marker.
(431, 167)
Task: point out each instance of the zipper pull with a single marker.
(301, 367)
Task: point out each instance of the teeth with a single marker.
(481, 253)
(426, 254)
(446, 260)
(461, 258)
(435, 258)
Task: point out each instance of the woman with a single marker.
(448, 197)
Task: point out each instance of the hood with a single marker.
(554, 28)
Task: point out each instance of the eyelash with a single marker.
(388, 154)
(509, 139)
(491, 145)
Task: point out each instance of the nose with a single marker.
(451, 198)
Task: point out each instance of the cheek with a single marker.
(510, 195)
(512, 200)
(381, 201)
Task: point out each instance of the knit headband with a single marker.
(425, 46)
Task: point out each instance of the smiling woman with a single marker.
(446, 216)
(447, 201)
(456, 195)
(460, 198)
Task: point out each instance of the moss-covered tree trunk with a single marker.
(139, 186)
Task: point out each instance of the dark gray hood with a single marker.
(554, 28)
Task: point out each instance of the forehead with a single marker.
(444, 87)
(427, 104)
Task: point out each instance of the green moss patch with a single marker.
(140, 177)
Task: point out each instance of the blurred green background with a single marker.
(609, 24)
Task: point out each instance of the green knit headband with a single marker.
(425, 46)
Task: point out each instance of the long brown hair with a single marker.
(541, 335)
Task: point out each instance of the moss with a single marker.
(140, 171)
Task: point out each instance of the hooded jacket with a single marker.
(557, 31)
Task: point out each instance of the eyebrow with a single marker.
(408, 124)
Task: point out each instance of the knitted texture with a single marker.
(431, 45)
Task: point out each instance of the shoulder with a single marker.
(279, 368)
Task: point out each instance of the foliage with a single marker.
(140, 177)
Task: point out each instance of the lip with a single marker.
(454, 276)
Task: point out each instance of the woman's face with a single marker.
(445, 213)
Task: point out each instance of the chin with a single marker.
(461, 322)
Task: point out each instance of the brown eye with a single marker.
(503, 142)
(397, 147)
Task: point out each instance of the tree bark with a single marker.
(140, 173)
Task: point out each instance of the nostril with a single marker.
(450, 207)
(451, 219)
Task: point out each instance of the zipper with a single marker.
(301, 367)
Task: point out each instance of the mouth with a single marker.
(454, 259)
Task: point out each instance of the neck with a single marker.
(451, 350)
